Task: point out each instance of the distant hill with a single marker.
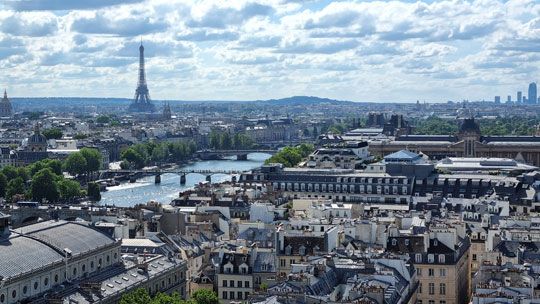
(305, 100)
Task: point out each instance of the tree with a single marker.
(133, 157)
(53, 164)
(226, 141)
(205, 296)
(44, 186)
(93, 192)
(93, 159)
(138, 296)
(14, 187)
(103, 119)
(10, 172)
(3, 185)
(75, 164)
(291, 156)
(52, 133)
(68, 189)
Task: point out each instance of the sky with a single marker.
(379, 51)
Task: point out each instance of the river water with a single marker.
(145, 190)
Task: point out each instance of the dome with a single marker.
(469, 126)
(37, 138)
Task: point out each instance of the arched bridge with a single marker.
(133, 174)
(26, 215)
(240, 154)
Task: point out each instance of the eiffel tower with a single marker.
(141, 102)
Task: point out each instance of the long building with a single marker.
(51, 261)
(468, 142)
(390, 184)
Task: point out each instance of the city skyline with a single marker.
(360, 51)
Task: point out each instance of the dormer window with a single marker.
(302, 250)
(316, 249)
(431, 258)
(288, 250)
(394, 242)
(407, 242)
(441, 258)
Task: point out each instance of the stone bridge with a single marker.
(21, 216)
(240, 154)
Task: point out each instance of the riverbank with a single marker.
(144, 189)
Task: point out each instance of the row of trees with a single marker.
(141, 296)
(501, 126)
(44, 180)
(151, 153)
(291, 156)
(85, 161)
(221, 140)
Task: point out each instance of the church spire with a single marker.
(5, 94)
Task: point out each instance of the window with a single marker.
(239, 284)
(474, 257)
(36, 285)
(246, 295)
(442, 288)
(282, 262)
(431, 302)
(419, 271)
(407, 242)
(25, 289)
(84, 267)
(442, 272)
(431, 290)
(441, 258)
(2, 298)
(231, 283)
(418, 258)
(74, 271)
(430, 258)
(224, 283)
(14, 294)
(224, 296)
(46, 281)
(431, 272)
(419, 287)
(442, 302)
(246, 284)
(108, 258)
(239, 294)
(394, 242)
(231, 295)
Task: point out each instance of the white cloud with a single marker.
(254, 49)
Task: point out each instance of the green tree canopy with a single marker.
(44, 186)
(205, 296)
(68, 189)
(93, 159)
(291, 156)
(75, 164)
(52, 133)
(15, 187)
(93, 192)
(3, 185)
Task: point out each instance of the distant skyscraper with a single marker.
(497, 99)
(509, 99)
(142, 102)
(519, 100)
(533, 95)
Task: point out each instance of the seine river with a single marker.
(145, 189)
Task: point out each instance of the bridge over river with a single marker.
(240, 154)
(133, 174)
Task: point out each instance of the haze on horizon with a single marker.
(262, 49)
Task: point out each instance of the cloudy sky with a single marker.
(259, 49)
